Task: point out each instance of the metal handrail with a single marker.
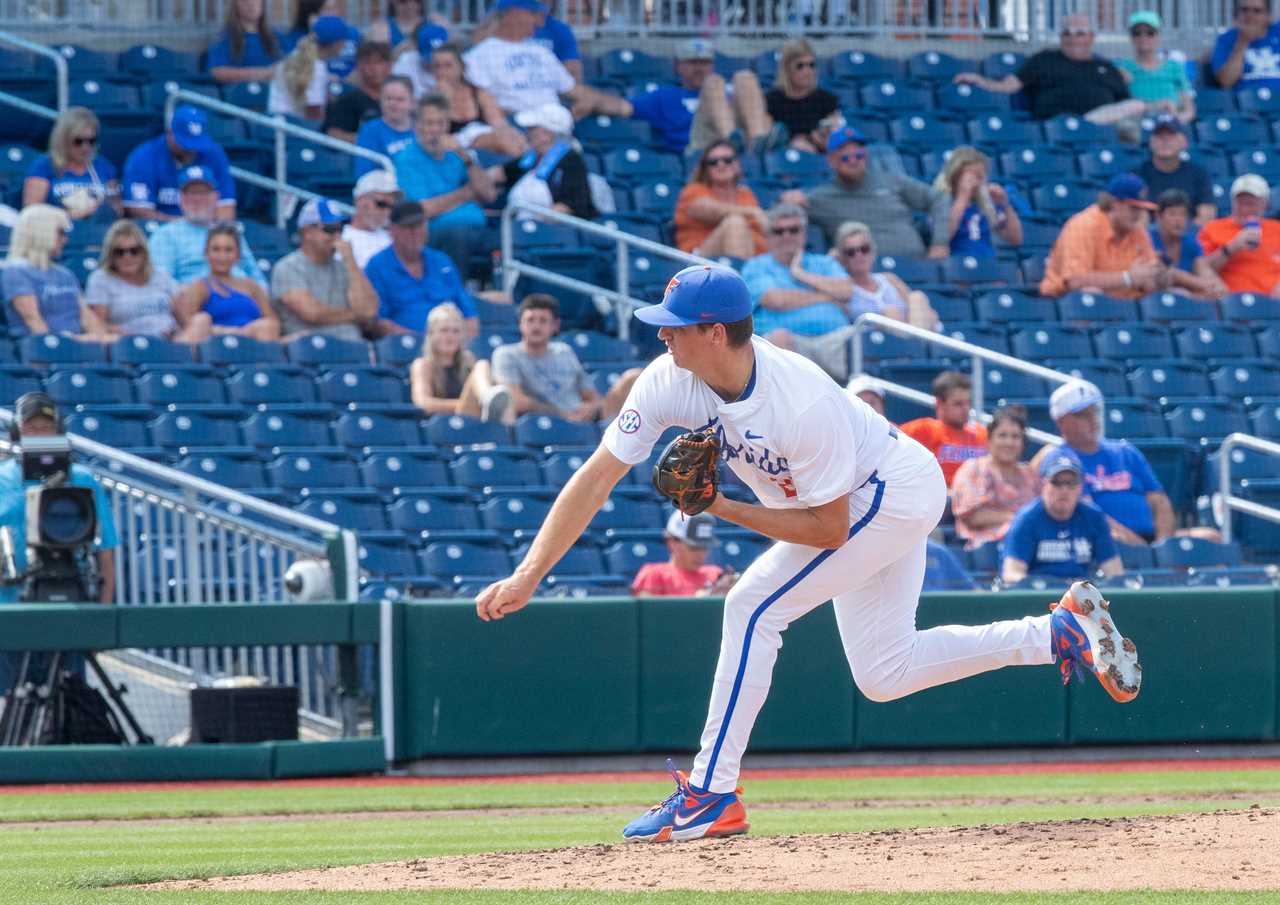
(281, 128)
(60, 68)
(1229, 500)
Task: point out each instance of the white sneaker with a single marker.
(494, 403)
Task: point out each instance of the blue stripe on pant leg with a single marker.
(768, 602)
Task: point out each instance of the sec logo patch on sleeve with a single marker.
(629, 421)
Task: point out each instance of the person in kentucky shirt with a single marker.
(1248, 55)
(151, 171)
(1059, 534)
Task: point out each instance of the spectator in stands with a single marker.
(1244, 248)
(1059, 534)
(1179, 249)
(237, 305)
(178, 247)
(869, 390)
(135, 298)
(399, 26)
(689, 538)
(1068, 79)
(315, 292)
(545, 376)
(701, 109)
(301, 84)
(73, 175)
(951, 435)
(1165, 169)
(305, 15)
(393, 131)
(151, 172)
(1244, 56)
(447, 181)
(249, 47)
(553, 173)
(716, 214)
(795, 101)
(879, 197)
(978, 207)
(1105, 248)
(415, 63)
(987, 492)
(475, 119)
(41, 295)
(549, 32)
(362, 99)
(876, 293)
(411, 279)
(375, 194)
(446, 379)
(1155, 79)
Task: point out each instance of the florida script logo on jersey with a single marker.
(774, 468)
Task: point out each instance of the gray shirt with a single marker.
(555, 377)
(327, 282)
(135, 310)
(884, 201)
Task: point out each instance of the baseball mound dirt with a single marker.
(1225, 850)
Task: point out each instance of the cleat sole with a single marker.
(1115, 658)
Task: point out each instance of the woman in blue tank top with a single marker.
(235, 305)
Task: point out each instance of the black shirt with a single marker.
(1055, 84)
(350, 111)
(801, 115)
(1190, 177)
(568, 183)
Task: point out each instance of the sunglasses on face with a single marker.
(1075, 32)
(82, 141)
(383, 205)
(851, 156)
(805, 64)
(1256, 10)
(332, 229)
(132, 251)
(853, 250)
(786, 230)
(1143, 33)
(719, 161)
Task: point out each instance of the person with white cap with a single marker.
(850, 501)
(869, 390)
(689, 539)
(391, 132)
(1244, 247)
(375, 194)
(552, 172)
(151, 171)
(320, 288)
(1059, 534)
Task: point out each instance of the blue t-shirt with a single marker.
(66, 182)
(1117, 478)
(420, 176)
(376, 135)
(669, 110)
(406, 300)
(558, 38)
(1071, 549)
(973, 235)
(253, 54)
(151, 176)
(56, 291)
(763, 273)
(942, 571)
(1187, 255)
(1261, 58)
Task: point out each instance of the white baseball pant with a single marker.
(874, 581)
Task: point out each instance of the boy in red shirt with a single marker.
(689, 538)
(951, 436)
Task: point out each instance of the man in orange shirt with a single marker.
(1245, 248)
(1105, 248)
(951, 436)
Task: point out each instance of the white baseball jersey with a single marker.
(794, 437)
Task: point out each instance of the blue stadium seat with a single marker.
(626, 557)
(559, 466)
(173, 430)
(1001, 131)
(967, 101)
(486, 468)
(597, 348)
(1247, 466)
(235, 350)
(190, 384)
(1230, 130)
(317, 350)
(269, 429)
(1035, 164)
(256, 385)
(1216, 341)
(536, 234)
(99, 94)
(150, 61)
(651, 273)
(1050, 341)
(250, 95)
(877, 345)
(547, 430)
(1249, 308)
(910, 270)
(1108, 376)
(399, 350)
(388, 469)
(1091, 308)
(1074, 132)
(1245, 379)
(988, 336)
(983, 559)
(417, 512)
(1003, 383)
(113, 428)
(582, 559)
(793, 167)
(1169, 307)
(83, 62)
(895, 99)
(1261, 537)
(459, 430)
(507, 512)
(155, 93)
(1265, 420)
(298, 471)
(966, 270)
(361, 384)
(1206, 418)
(1234, 577)
(923, 131)
(1169, 377)
(52, 349)
(16, 380)
(1136, 557)
(630, 66)
(657, 198)
(952, 307)
(1131, 418)
(631, 166)
(386, 556)
(361, 429)
(1212, 101)
(1001, 63)
(230, 471)
(856, 66)
(612, 131)
(358, 510)
(628, 513)
(1269, 342)
(149, 350)
(100, 385)
(932, 66)
(1134, 340)
(450, 559)
(1062, 199)
(1265, 163)
(1033, 268)
(1194, 553)
(1003, 306)
(1101, 163)
(736, 553)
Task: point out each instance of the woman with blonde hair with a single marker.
(135, 298)
(446, 379)
(978, 207)
(43, 296)
(73, 175)
(795, 101)
(301, 84)
(716, 214)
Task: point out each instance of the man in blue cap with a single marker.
(1059, 534)
(178, 247)
(850, 502)
(151, 170)
(1165, 169)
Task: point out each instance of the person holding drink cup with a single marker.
(1244, 248)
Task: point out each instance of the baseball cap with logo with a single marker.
(430, 36)
(1058, 461)
(694, 530)
(1129, 188)
(315, 213)
(1073, 396)
(701, 294)
(844, 136)
(695, 49)
(190, 128)
(375, 181)
(1251, 184)
(195, 174)
(1167, 122)
(330, 30)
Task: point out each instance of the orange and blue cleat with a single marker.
(1085, 639)
(689, 814)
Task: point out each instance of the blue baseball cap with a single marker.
(701, 294)
(196, 174)
(330, 29)
(1167, 121)
(1058, 461)
(532, 6)
(190, 128)
(1129, 188)
(845, 135)
(316, 213)
(430, 36)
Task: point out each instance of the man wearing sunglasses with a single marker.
(1059, 534)
(320, 288)
(1248, 55)
(375, 194)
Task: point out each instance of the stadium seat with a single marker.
(1051, 341)
(627, 557)
(966, 101)
(1136, 557)
(1243, 379)
(459, 559)
(932, 66)
(360, 429)
(478, 469)
(793, 167)
(311, 470)
(53, 349)
(418, 512)
(1249, 308)
(1107, 376)
(83, 62)
(113, 428)
(611, 131)
(250, 95)
(388, 556)
(1161, 378)
(1005, 383)
(1131, 418)
(16, 380)
(952, 307)
(1101, 163)
(736, 553)
(1035, 164)
(1212, 101)
(910, 270)
(460, 430)
(988, 336)
(1247, 465)
(388, 469)
(235, 350)
(926, 132)
(657, 198)
(1265, 420)
(1269, 342)
(1216, 341)
(149, 61)
(177, 429)
(268, 429)
(319, 351)
(99, 94)
(967, 270)
(582, 559)
(1205, 419)
(1002, 306)
(1230, 130)
(149, 350)
(191, 385)
(1263, 162)
(856, 66)
(361, 384)
(536, 234)
(102, 385)
(1170, 307)
(877, 345)
(1233, 577)
(359, 511)
(547, 430)
(1062, 199)
(895, 99)
(623, 513)
(1091, 308)
(1001, 131)
(1134, 340)
(597, 348)
(1074, 132)
(257, 385)
(559, 466)
(998, 65)
(1194, 553)
(508, 512)
(397, 351)
(230, 471)
(631, 66)
(631, 166)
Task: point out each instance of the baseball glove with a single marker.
(685, 473)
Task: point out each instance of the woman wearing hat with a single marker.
(1153, 78)
(301, 84)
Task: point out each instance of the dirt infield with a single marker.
(1225, 850)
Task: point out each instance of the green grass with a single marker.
(56, 863)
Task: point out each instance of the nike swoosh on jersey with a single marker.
(751, 436)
